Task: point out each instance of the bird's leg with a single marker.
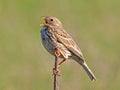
(61, 62)
(63, 56)
(58, 53)
(56, 71)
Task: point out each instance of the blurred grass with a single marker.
(25, 65)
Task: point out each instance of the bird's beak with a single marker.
(43, 17)
(43, 24)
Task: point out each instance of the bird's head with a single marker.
(51, 21)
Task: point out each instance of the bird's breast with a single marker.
(51, 44)
(47, 41)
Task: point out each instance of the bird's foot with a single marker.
(56, 72)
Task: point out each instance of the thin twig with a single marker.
(55, 76)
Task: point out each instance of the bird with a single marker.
(58, 42)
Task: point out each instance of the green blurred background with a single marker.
(94, 25)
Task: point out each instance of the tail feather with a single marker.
(82, 62)
(88, 71)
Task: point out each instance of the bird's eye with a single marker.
(51, 19)
(46, 22)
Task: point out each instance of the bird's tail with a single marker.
(86, 68)
(88, 71)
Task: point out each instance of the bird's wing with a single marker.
(67, 40)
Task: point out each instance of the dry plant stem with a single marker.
(55, 76)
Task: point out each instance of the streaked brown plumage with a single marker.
(55, 37)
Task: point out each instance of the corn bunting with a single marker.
(58, 42)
